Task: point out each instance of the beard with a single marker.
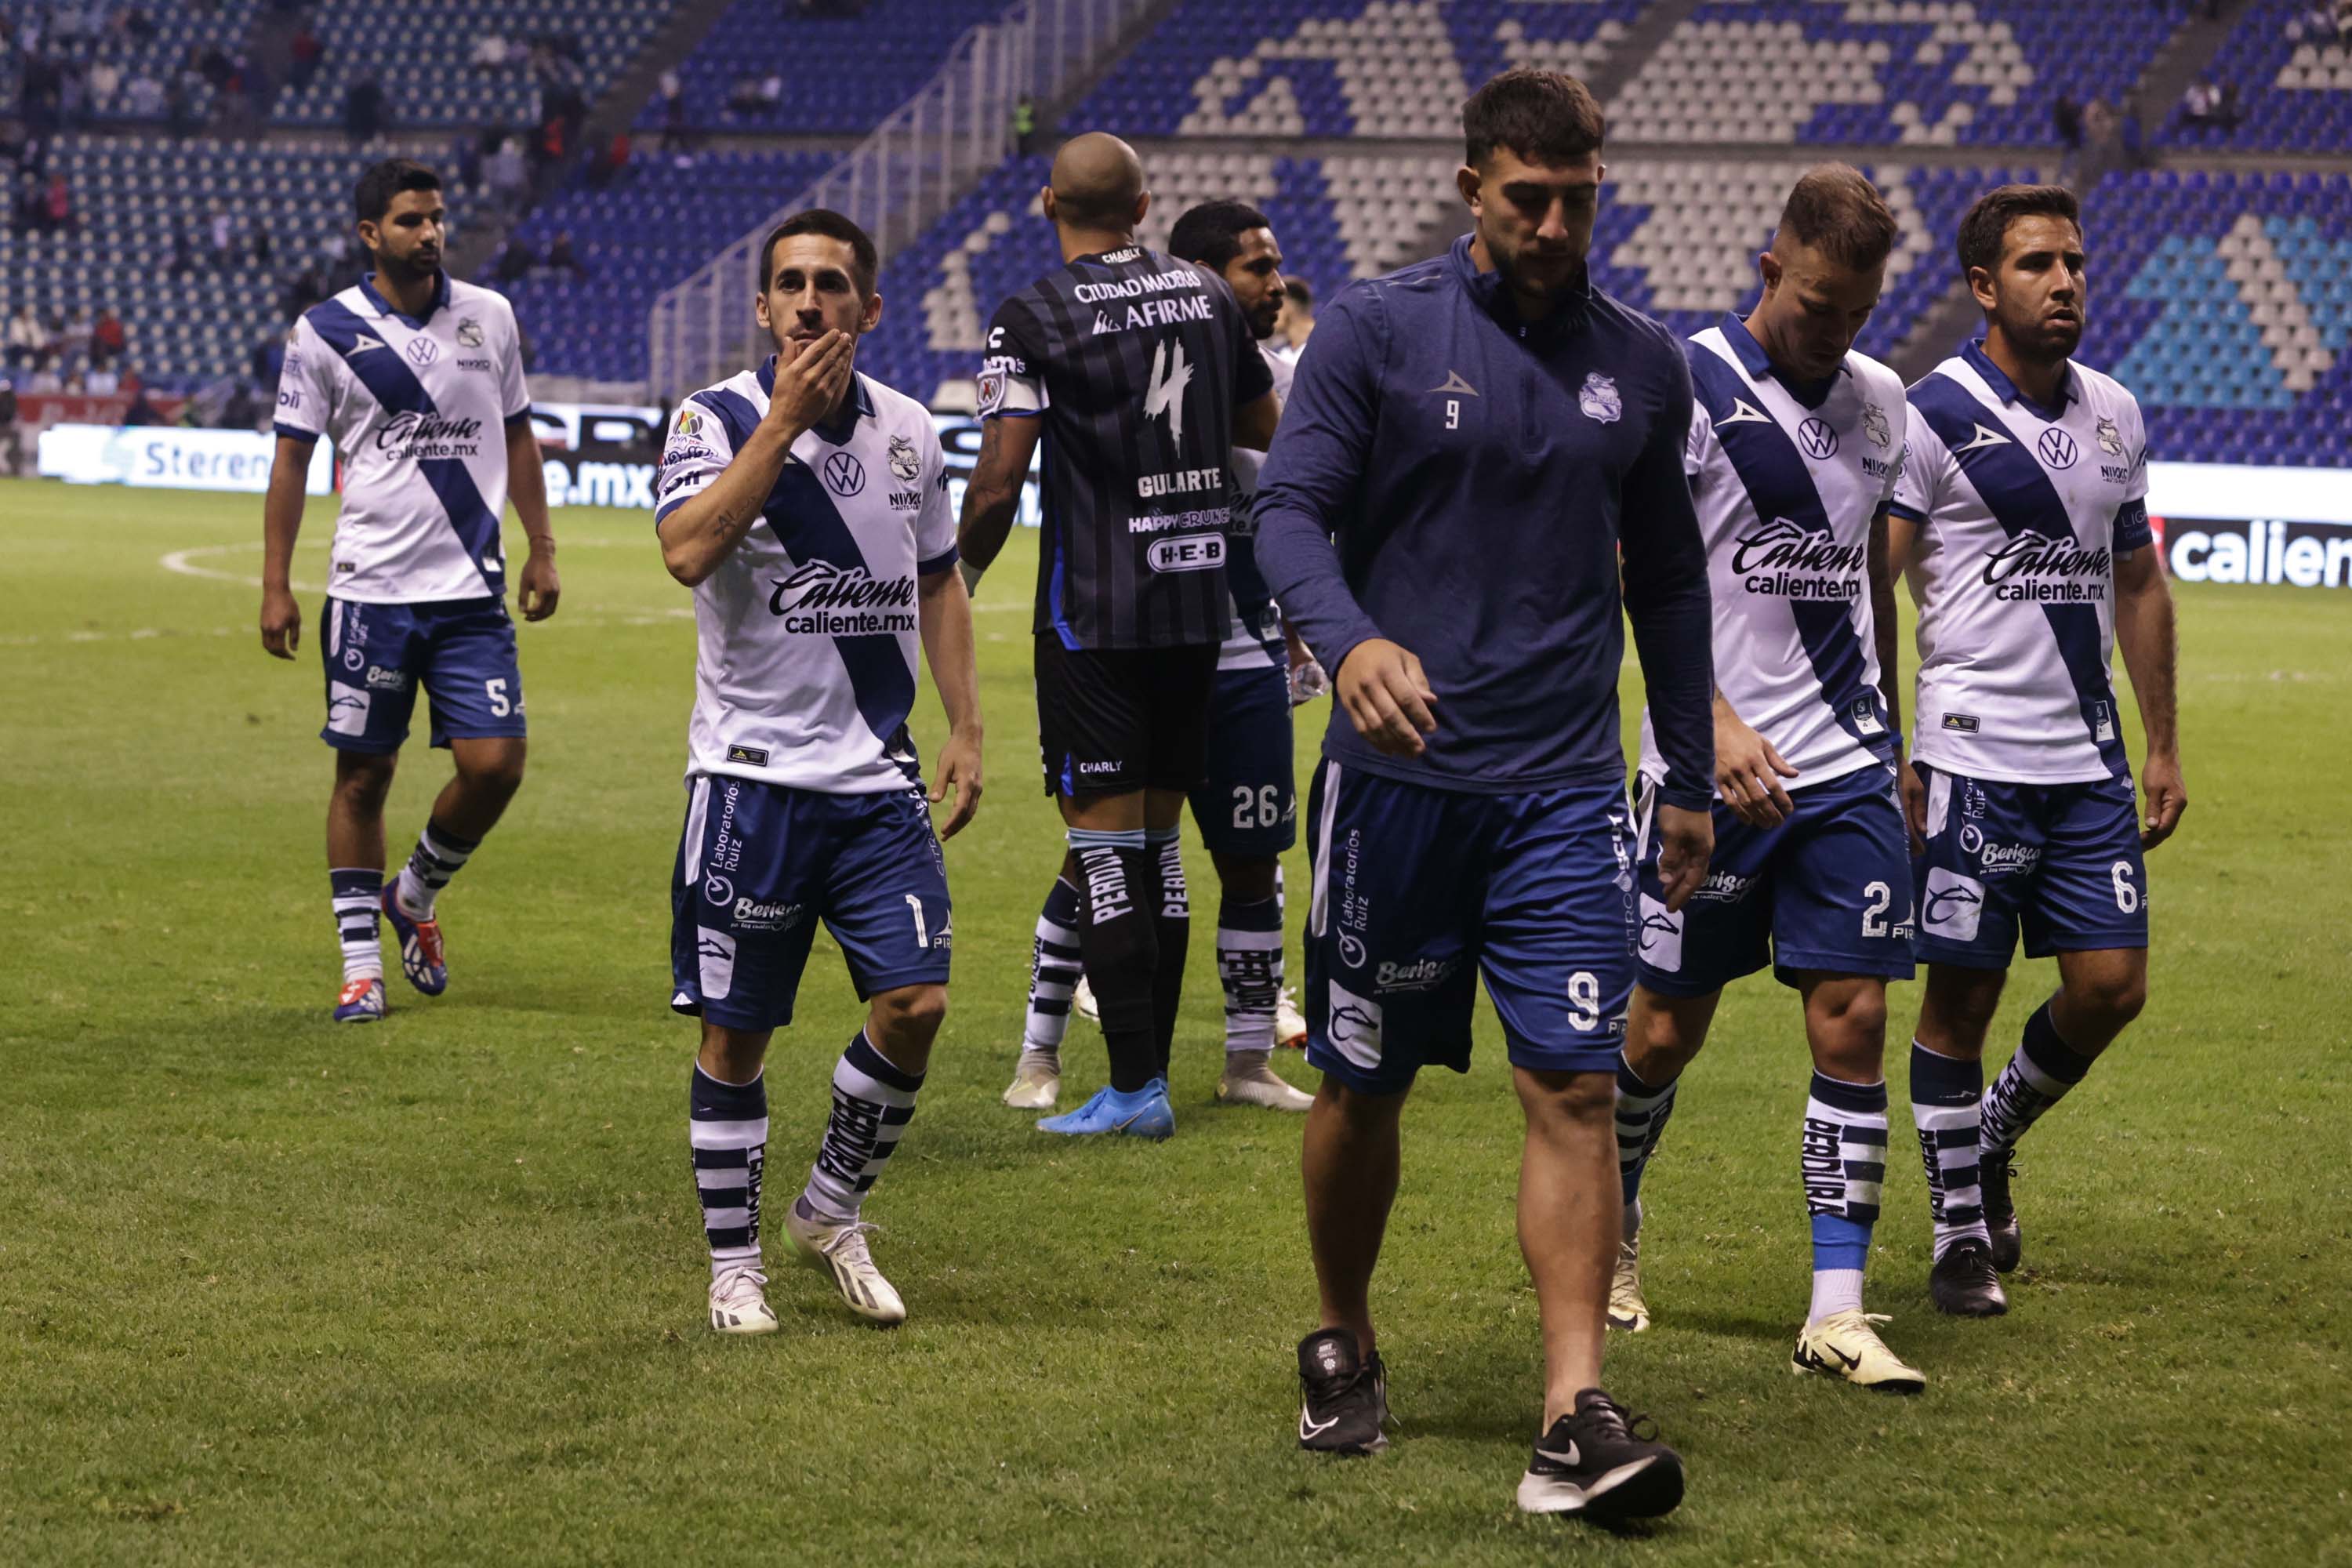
(1540, 284)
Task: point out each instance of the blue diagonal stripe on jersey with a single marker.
(389, 382)
(1779, 485)
(810, 528)
(734, 411)
(2023, 500)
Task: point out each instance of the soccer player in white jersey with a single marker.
(2022, 521)
(1248, 805)
(1792, 460)
(418, 380)
(806, 506)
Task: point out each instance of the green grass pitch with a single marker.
(272, 1291)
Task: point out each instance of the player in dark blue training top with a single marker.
(1489, 439)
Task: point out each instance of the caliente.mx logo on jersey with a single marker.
(2035, 568)
(825, 600)
(1782, 559)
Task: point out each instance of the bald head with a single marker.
(1097, 184)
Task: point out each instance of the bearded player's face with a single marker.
(1254, 275)
(813, 290)
(1535, 219)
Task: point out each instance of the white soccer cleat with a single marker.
(1628, 1312)
(1082, 1002)
(1249, 1080)
(1036, 1082)
(738, 1304)
(1844, 1345)
(840, 1250)
(1289, 1023)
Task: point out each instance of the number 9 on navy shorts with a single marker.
(759, 864)
(1418, 891)
(2062, 861)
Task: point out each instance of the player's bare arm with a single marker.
(1685, 844)
(702, 533)
(1748, 770)
(2144, 630)
(1902, 534)
(281, 522)
(1253, 422)
(537, 590)
(1387, 696)
(946, 626)
(993, 498)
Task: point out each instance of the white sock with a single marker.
(1835, 1291)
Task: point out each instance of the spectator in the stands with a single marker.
(363, 110)
(180, 104)
(508, 177)
(143, 98)
(2066, 119)
(516, 260)
(101, 381)
(105, 80)
(611, 163)
(222, 230)
(57, 206)
(28, 339)
(142, 411)
(743, 95)
(8, 451)
(107, 337)
(305, 54)
(184, 253)
(490, 52)
(560, 257)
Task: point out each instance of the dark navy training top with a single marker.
(1483, 479)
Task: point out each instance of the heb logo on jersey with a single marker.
(822, 599)
(1202, 553)
(2033, 568)
(417, 436)
(1783, 560)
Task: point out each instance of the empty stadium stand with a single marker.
(839, 73)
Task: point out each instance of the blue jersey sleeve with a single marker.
(1310, 488)
(1664, 565)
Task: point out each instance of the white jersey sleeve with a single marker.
(1926, 466)
(935, 523)
(305, 385)
(514, 388)
(695, 452)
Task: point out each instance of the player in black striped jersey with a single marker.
(1141, 374)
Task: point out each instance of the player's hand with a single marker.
(1686, 843)
(807, 388)
(2164, 797)
(1387, 696)
(537, 590)
(1747, 772)
(1308, 683)
(1914, 805)
(959, 766)
(281, 623)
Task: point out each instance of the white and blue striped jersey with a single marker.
(1785, 476)
(419, 409)
(806, 636)
(2020, 511)
(1256, 642)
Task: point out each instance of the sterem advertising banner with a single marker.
(2215, 523)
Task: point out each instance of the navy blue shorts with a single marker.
(2062, 860)
(1417, 891)
(461, 651)
(760, 864)
(1249, 804)
(1830, 890)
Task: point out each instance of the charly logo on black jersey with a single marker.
(826, 600)
(2035, 568)
(1782, 559)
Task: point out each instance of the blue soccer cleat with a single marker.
(362, 1001)
(1145, 1113)
(421, 956)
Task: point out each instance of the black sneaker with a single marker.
(1964, 1284)
(1344, 1395)
(1994, 1169)
(1596, 1459)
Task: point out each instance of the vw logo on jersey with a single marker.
(2057, 448)
(1818, 439)
(843, 474)
(422, 351)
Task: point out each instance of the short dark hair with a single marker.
(1544, 116)
(387, 180)
(1834, 208)
(1301, 292)
(1985, 227)
(1211, 233)
(865, 261)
